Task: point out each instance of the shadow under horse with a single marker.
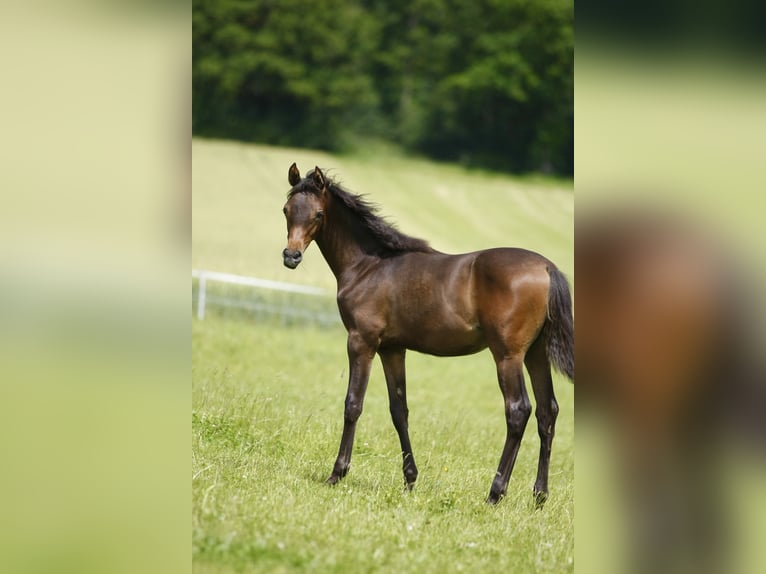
(396, 293)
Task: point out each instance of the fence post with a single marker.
(201, 296)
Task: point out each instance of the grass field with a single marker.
(267, 399)
(267, 417)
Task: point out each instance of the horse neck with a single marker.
(341, 239)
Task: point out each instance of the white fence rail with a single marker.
(203, 277)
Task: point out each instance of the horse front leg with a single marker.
(360, 356)
(393, 367)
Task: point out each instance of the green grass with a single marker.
(267, 398)
(267, 417)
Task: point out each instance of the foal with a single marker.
(397, 293)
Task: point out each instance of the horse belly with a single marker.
(441, 336)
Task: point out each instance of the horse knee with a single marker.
(546, 418)
(516, 416)
(352, 411)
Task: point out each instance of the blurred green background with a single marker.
(671, 117)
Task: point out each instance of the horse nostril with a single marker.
(298, 256)
(285, 253)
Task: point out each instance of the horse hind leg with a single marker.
(546, 412)
(510, 376)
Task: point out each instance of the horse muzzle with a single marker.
(291, 259)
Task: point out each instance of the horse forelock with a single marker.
(303, 186)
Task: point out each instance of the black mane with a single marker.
(391, 241)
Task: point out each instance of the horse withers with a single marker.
(396, 293)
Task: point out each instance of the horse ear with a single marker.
(293, 175)
(319, 180)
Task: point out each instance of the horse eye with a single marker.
(319, 215)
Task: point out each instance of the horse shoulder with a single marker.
(363, 304)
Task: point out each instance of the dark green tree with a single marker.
(505, 100)
(289, 72)
(487, 83)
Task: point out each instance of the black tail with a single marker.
(559, 326)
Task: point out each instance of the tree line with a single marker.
(486, 83)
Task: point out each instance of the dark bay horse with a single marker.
(397, 293)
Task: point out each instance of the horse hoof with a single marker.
(540, 498)
(333, 480)
(494, 498)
